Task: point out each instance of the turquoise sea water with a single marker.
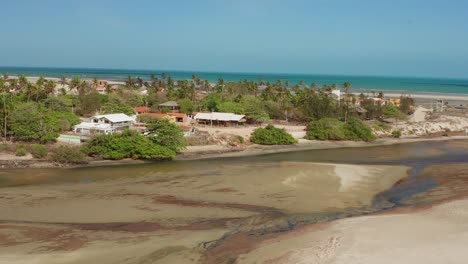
(397, 84)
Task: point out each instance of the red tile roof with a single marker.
(178, 115)
(142, 109)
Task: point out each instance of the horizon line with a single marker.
(160, 71)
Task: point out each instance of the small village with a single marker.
(222, 116)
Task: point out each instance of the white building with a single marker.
(104, 124)
(337, 93)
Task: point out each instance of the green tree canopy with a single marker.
(128, 144)
(271, 135)
(167, 134)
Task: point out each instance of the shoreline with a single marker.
(304, 145)
(215, 152)
(396, 92)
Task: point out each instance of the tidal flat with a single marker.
(275, 208)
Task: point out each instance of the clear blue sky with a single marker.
(356, 37)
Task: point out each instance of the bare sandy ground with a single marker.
(245, 131)
(434, 96)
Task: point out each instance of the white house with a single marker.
(104, 124)
(336, 93)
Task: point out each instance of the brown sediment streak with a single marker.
(223, 190)
(170, 199)
(124, 227)
(57, 238)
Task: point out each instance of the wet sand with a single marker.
(171, 217)
(426, 233)
(294, 207)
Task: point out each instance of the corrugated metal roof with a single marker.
(170, 103)
(90, 125)
(114, 118)
(219, 116)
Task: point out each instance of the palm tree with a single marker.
(313, 86)
(130, 82)
(75, 83)
(346, 86)
(63, 81)
(207, 85)
(95, 83)
(163, 75)
(13, 84)
(139, 82)
(23, 81)
(220, 85)
(261, 82)
(49, 87)
(108, 88)
(41, 81)
(3, 90)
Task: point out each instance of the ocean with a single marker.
(363, 83)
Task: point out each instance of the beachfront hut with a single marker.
(170, 106)
(220, 119)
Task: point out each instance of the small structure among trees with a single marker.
(219, 119)
(170, 106)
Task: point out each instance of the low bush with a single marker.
(128, 144)
(333, 129)
(68, 155)
(356, 130)
(20, 152)
(271, 135)
(326, 129)
(39, 151)
(396, 133)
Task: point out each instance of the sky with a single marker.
(353, 37)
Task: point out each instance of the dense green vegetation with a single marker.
(128, 144)
(271, 135)
(166, 134)
(334, 129)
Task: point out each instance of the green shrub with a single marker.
(271, 135)
(355, 129)
(128, 144)
(326, 129)
(39, 151)
(333, 129)
(166, 134)
(68, 155)
(20, 152)
(396, 133)
(377, 125)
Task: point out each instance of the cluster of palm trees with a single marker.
(31, 90)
